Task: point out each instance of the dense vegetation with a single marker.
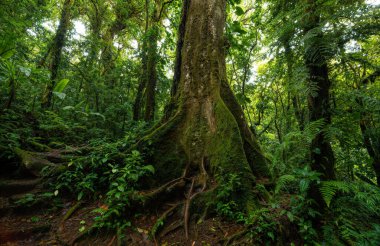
(264, 114)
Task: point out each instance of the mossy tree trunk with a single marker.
(150, 103)
(56, 52)
(322, 156)
(124, 10)
(204, 137)
(12, 93)
(146, 91)
(137, 105)
(298, 111)
(371, 139)
(96, 13)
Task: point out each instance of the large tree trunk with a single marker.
(56, 52)
(204, 137)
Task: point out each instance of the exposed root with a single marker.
(112, 240)
(186, 210)
(71, 211)
(203, 178)
(156, 227)
(234, 237)
(172, 227)
(198, 180)
(81, 236)
(169, 186)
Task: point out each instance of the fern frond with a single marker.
(312, 129)
(282, 181)
(330, 188)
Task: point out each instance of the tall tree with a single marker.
(55, 51)
(322, 156)
(370, 134)
(204, 138)
(149, 60)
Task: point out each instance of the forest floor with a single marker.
(45, 224)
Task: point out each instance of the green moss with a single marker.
(227, 157)
(167, 155)
(32, 162)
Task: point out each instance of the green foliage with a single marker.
(283, 180)
(355, 207)
(16, 130)
(226, 204)
(48, 199)
(266, 43)
(263, 226)
(330, 188)
(61, 85)
(121, 192)
(106, 171)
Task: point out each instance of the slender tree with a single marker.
(55, 51)
(322, 156)
(371, 140)
(146, 90)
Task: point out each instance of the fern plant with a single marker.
(354, 212)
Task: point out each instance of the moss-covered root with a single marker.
(31, 162)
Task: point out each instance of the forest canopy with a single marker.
(157, 121)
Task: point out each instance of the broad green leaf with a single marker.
(149, 168)
(68, 108)
(61, 85)
(99, 114)
(239, 11)
(80, 195)
(236, 27)
(8, 54)
(59, 95)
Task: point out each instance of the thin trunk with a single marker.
(298, 112)
(143, 76)
(371, 143)
(124, 10)
(373, 153)
(322, 156)
(151, 74)
(12, 93)
(96, 22)
(148, 80)
(56, 52)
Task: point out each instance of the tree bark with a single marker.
(322, 156)
(12, 93)
(56, 52)
(370, 141)
(143, 76)
(151, 84)
(204, 132)
(149, 60)
(298, 112)
(96, 23)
